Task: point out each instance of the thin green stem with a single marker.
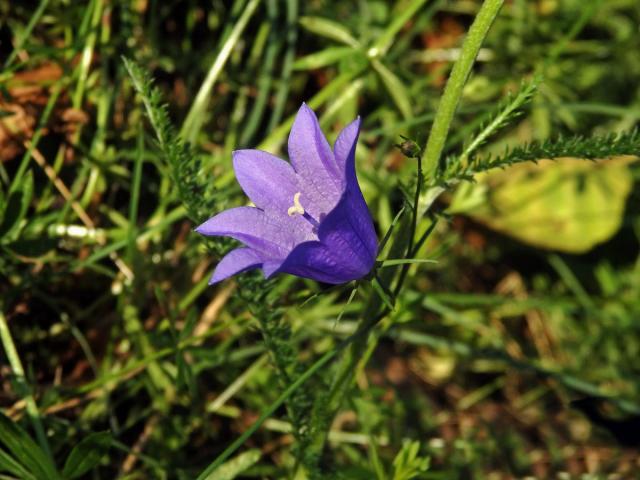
(387, 235)
(25, 390)
(414, 227)
(405, 261)
(136, 180)
(458, 78)
(425, 236)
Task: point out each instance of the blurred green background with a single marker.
(516, 355)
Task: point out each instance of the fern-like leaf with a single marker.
(588, 148)
(194, 190)
(508, 109)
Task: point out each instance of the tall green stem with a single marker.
(453, 91)
(24, 390)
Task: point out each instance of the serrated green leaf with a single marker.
(25, 451)
(323, 58)
(234, 467)
(395, 87)
(16, 208)
(329, 29)
(570, 205)
(590, 148)
(86, 454)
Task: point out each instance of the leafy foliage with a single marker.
(408, 465)
(489, 352)
(20, 455)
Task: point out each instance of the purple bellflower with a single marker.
(310, 218)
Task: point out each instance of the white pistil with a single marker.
(297, 207)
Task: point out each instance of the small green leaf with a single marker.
(234, 467)
(323, 58)
(329, 29)
(395, 87)
(86, 454)
(25, 451)
(16, 208)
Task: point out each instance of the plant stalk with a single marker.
(457, 80)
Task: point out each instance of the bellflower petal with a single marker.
(313, 160)
(268, 181)
(317, 261)
(236, 261)
(345, 145)
(347, 245)
(354, 208)
(271, 183)
(311, 219)
(252, 227)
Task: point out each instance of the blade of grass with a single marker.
(384, 41)
(287, 65)
(136, 180)
(195, 117)
(26, 33)
(16, 367)
(265, 79)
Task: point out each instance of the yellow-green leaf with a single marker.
(569, 205)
